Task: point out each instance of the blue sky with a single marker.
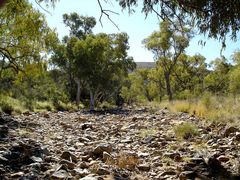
(136, 25)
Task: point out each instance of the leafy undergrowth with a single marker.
(185, 130)
(11, 105)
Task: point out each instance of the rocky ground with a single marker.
(118, 144)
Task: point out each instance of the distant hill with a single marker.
(145, 65)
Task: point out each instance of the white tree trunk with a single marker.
(78, 91)
(92, 101)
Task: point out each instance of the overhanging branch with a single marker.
(106, 13)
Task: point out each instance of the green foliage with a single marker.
(236, 57)
(61, 106)
(91, 65)
(7, 108)
(188, 75)
(96, 63)
(10, 105)
(135, 89)
(106, 105)
(218, 80)
(167, 45)
(207, 100)
(234, 80)
(43, 106)
(185, 130)
(217, 24)
(79, 26)
(24, 35)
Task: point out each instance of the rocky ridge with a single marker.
(118, 144)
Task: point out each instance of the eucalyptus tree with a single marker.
(104, 63)
(156, 76)
(79, 28)
(167, 45)
(189, 73)
(24, 35)
(26, 40)
(234, 74)
(217, 81)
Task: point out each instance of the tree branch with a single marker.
(36, 1)
(7, 55)
(105, 12)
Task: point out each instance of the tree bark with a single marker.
(78, 91)
(168, 86)
(92, 101)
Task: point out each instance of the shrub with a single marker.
(106, 105)
(43, 105)
(10, 105)
(185, 130)
(61, 106)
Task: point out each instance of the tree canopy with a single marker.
(167, 45)
(23, 39)
(96, 63)
(213, 18)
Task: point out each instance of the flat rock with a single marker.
(17, 175)
(223, 158)
(229, 130)
(143, 155)
(36, 159)
(70, 165)
(59, 175)
(144, 167)
(100, 148)
(103, 171)
(166, 173)
(69, 156)
(106, 156)
(187, 175)
(89, 178)
(80, 172)
(83, 165)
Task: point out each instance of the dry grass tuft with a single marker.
(179, 106)
(127, 161)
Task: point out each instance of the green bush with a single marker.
(207, 100)
(106, 105)
(185, 130)
(10, 105)
(61, 106)
(43, 105)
